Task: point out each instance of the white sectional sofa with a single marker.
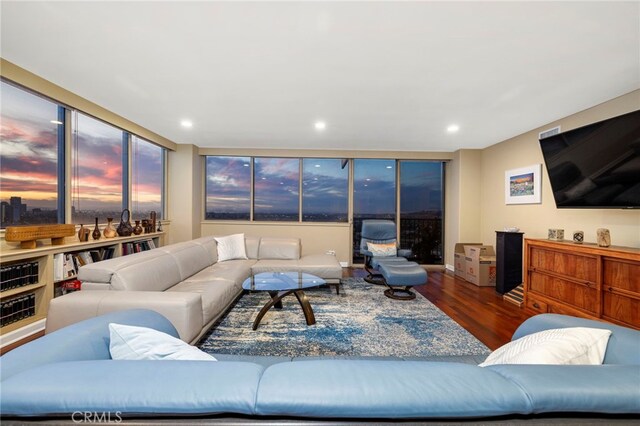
(184, 282)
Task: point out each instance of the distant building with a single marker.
(5, 213)
(16, 209)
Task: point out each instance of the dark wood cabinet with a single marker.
(508, 261)
(583, 280)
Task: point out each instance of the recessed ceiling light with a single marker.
(186, 123)
(453, 128)
(320, 125)
(56, 122)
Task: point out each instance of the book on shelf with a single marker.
(67, 286)
(17, 308)
(19, 275)
(137, 246)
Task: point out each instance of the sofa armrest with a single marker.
(184, 310)
(85, 340)
(622, 347)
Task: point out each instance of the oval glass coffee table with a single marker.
(281, 284)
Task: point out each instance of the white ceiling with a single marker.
(383, 75)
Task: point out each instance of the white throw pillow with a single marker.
(141, 343)
(231, 247)
(575, 345)
(383, 249)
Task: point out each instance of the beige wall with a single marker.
(462, 198)
(535, 219)
(184, 193)
(315, 238)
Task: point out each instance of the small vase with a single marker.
(137, 230)
(145, 225)
(83, 233)
(96, 231)
(109, 230)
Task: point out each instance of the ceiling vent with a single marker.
(549, 132)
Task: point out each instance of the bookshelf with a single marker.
(29, 294)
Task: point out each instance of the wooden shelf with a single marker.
(19, 290)
(44, 254)
(19, 324)
(14, 252)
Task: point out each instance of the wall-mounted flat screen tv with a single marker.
(596, 166)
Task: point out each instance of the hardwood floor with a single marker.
(480, 310)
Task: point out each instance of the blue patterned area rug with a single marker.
(360, 321)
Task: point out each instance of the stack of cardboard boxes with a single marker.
(475, 263)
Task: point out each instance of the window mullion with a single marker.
(126, 170)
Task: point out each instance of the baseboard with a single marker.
(22, 333)
(450, 268)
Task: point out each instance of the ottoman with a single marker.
(400, 277)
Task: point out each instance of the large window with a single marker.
(33, 170)
(147, 178)
(276, 189)
(374, 195)
(97, 180)
(421, 208)
(325, 190)
(31, 130)
(228, 188)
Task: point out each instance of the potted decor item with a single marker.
(96, 231)
(109, 230)
(137, 230)
(83, 233)
(125, 229)
(152, 221)
(145, 225)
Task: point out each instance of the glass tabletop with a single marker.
(279, 281)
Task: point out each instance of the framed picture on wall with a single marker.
(523, 185)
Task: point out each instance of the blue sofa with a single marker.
(70, 370)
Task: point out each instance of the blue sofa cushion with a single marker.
(624, 343)
(86, 340)
(132, 387)
(613, 389)
(393, 389)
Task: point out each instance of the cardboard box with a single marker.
(480, 265)
(458, 259)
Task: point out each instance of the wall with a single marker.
(184, 194)
(462, 198)
(535, 219)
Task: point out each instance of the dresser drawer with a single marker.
(536, 305)
(621, 274)
(578, 295)
(621, 308)
(562, 263)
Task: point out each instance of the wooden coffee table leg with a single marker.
(276, 299)
(278, 304)
(306, 307)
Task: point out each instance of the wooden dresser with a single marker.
(583, 280)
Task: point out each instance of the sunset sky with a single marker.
(29, 158)
(324, 185)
